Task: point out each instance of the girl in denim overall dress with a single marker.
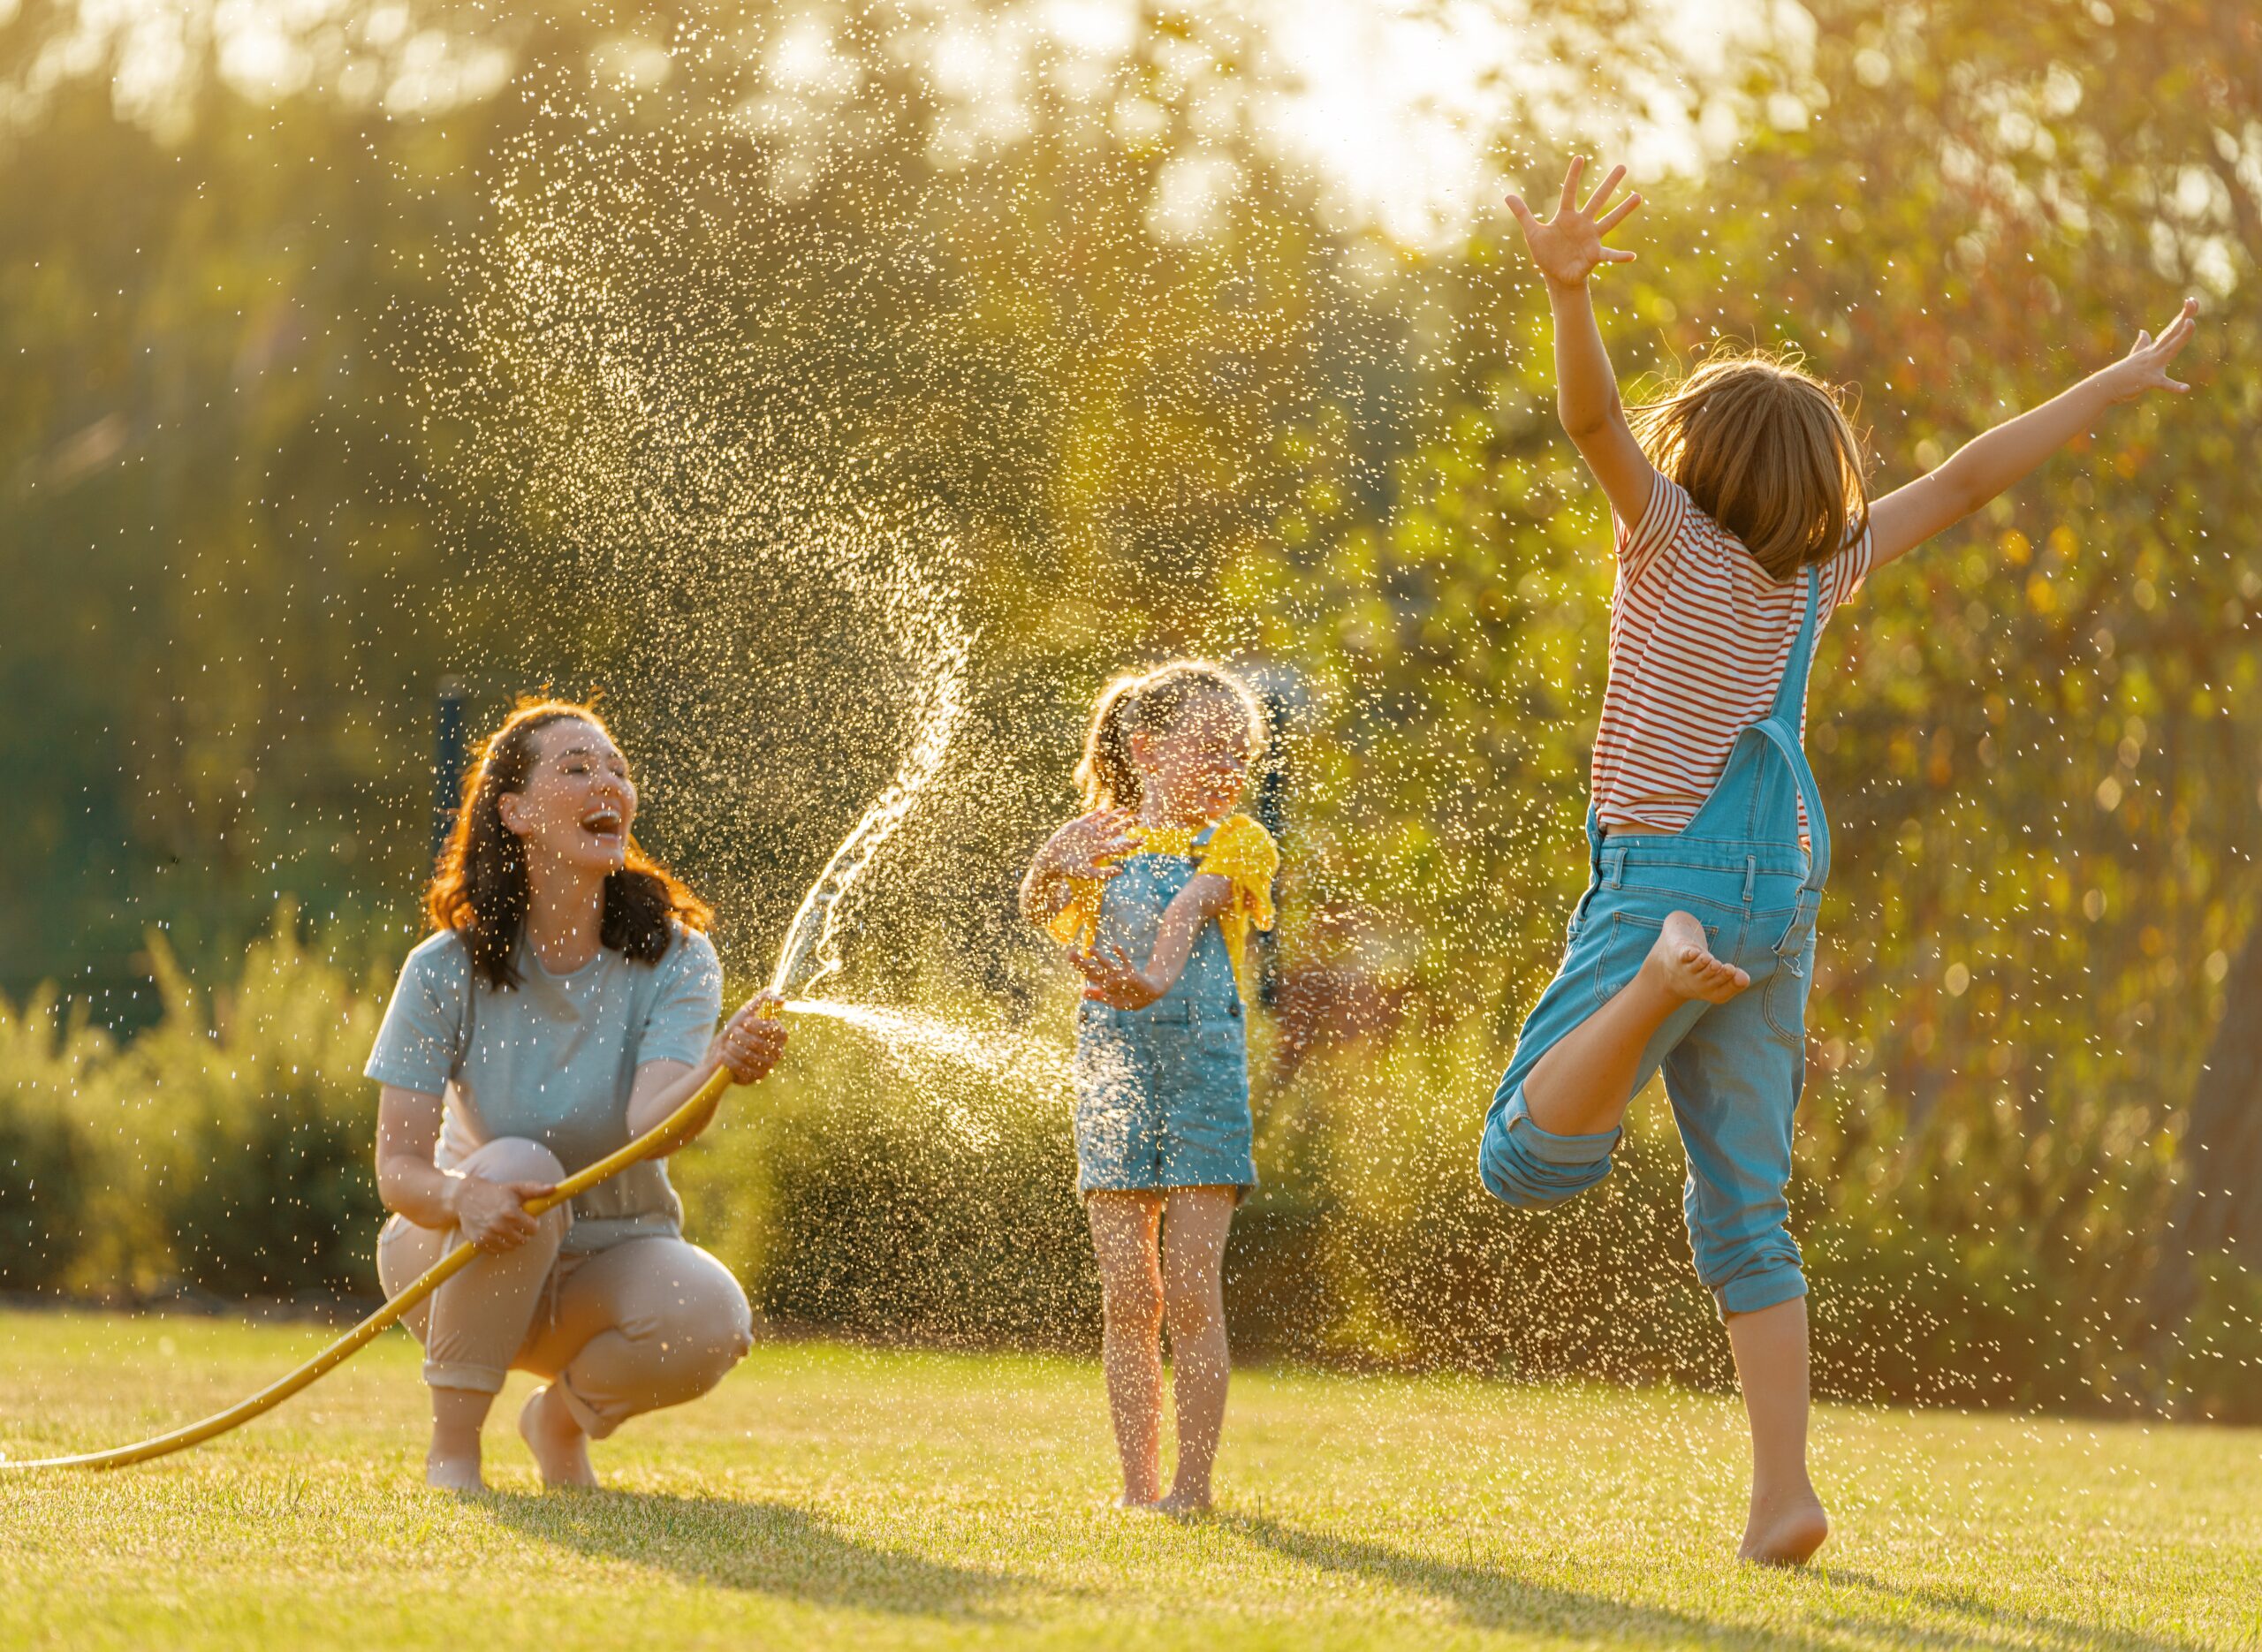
(1155, 888)
(1744, 519)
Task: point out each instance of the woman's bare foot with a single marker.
(451, 1462)
(454, 1473)
(558, 1446)
(1685, 967)
(1125, 1503)
(1784, 1531)
(1183, 1505)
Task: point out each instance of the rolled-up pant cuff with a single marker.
(593, 1424)
(1749, 1293)
(476, 1379)
(1525, 1165)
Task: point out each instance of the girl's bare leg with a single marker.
(1194, 1297)
(453, 1462)
(1583, 1085)
(1787, 1523)
(1124, 1232)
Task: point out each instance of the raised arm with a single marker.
(1987, 465)
(1566, 250)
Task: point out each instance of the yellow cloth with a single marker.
(1239, 850)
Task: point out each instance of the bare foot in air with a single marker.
(1685, 967)
(1784, 1530)
(556, 1440)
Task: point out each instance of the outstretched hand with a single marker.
(1568, 246)
(2145, 366)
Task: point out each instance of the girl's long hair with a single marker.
(1152, 702)
(1765, 449)
(480, 889)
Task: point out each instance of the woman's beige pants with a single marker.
(643, 1324)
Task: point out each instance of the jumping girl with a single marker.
(1156, 870)
(1743, 520)
(563, 1005)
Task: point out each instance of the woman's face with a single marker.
(578, 804)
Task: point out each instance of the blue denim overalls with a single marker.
(1162, 1093)
(1732, 1071)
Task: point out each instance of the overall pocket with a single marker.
(1626, 943)
(1782, 1001)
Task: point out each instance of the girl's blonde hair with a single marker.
(1153, 702)
(1765, 449)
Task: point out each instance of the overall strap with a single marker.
(1818, 828)
(1782, 726)
(1790, 693)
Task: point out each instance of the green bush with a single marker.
(860, 1192)
(2218, 1366)
(263, 1179)
(49, 1160)
(229, 1146)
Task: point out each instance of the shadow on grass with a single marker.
(764, 1548)
(2034, 1629)
(1492, 1594)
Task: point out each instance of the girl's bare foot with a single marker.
(1183, 1505)
(1685, 967)
(454, 1473)
(1784, 1531)
(558, 1446)
(1130, 1505)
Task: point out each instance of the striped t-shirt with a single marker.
(1699, 636)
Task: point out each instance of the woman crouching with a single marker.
(563, 1005)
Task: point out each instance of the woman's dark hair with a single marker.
(479, 890)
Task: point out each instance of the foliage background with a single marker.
(247, 541)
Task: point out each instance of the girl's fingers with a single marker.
(1602, 191)
(1616, 215)
(1522, 214)
(1617, 255)
(1571, 185)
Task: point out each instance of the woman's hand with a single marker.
(1568, 246)
(751, 1042)
(2145, 366)
(1110, 978)
(492, 1215)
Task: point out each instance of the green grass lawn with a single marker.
(828, 1496)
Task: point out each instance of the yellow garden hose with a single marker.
(664, 1137)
